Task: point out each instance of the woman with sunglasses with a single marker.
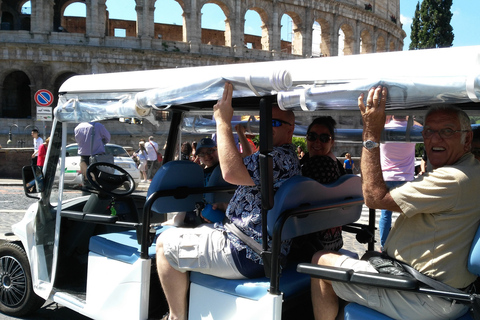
(320, 164)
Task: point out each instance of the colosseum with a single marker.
(42, 45)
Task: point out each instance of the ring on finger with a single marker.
(369, 105)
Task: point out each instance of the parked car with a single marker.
(73, 175)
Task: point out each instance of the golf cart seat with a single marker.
(216, 180)
(354, 311)
(301, 206)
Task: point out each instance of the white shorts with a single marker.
(203, 249)
(395, 304)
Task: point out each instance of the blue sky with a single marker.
(466, 27)
(464, 21)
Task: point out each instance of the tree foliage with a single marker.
(431, 25)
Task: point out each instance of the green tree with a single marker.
(431, 25)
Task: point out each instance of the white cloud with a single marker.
(406, 21)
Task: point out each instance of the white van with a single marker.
(94, 252)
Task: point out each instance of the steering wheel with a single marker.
(110, 179)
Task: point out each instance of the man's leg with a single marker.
(324, 298)
(174, 284)
(384, 225)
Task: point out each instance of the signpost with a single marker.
(43, 99)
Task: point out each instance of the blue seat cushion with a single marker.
(121, 246)
(291, 282)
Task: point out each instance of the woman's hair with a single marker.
(141, 144)
(326, 121)
(186, 148)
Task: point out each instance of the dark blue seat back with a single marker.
(301, 191)
(179, 175)
(216, 180)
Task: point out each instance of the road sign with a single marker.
(43, 98)
(44, 113)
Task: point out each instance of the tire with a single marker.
(17, 297)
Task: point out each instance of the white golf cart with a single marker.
(94, 252)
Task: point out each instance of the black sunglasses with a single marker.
(312, 136)
(278, 123)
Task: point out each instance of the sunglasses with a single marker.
(278, 123)
(312, 136)
(207, 152)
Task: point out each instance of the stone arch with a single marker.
(116, 26)
(16, 95)
(59, 80)
(72, 24)
(325, 42)
(349, 40)
(381, 44)
(297, 32)
(8, 21)
(213, 36)
(366, 41)
(165, 30)
(392, 46)
(264, 38)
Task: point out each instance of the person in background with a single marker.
(141, 154)
(194, 157)
(348, 164)
(185, 151)
(300, 152)
(90, 144)
(208, 155)
(220, 252)
(398, 166)
(476, 143)
(151, 147)
(321, 165)
(42, 152)
(439, 216)
(37, 142)
(247, 147)
(320, 140)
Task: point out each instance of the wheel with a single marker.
(17, 297)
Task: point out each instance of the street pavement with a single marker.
(11, 211)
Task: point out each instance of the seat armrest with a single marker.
(73, 215)
(325, 272)
(384, 280)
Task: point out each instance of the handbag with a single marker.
(159, 155)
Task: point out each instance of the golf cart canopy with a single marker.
(415, 79)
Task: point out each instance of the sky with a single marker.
(465, 29)
(465, 13)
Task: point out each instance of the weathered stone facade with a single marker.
(42, 49)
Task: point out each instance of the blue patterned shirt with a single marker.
(245, 207)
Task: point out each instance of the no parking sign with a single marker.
(43, 99)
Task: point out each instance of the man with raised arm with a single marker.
(211, 249)
(439, 217)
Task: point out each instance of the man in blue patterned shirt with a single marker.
(209, 248)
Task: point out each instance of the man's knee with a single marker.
(325, 258)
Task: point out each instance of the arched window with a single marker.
(168, 18)
(74, 18)
(215, 27)
(16, 96)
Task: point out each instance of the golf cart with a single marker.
(95, 252)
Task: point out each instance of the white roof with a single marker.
(414, 78)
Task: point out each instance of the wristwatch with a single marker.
(369, 144)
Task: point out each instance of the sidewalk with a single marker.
(142, 186)
(10, 182)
